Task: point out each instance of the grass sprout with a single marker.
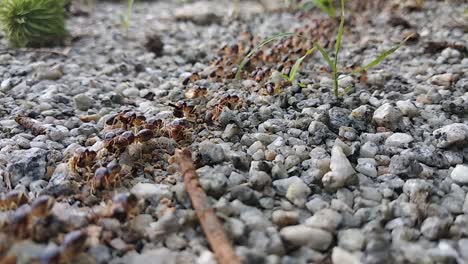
(332, 61)
(333, 64)
(326, 6)
(128, 16)
(295, 68)
(32, 23)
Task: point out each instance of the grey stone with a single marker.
(83, 102)
(339, 117)
(387, 116)
(367, 166)
(407, 108)
(140, 223)
(340, 255)
(417, 189)
(463, 248)
(453, 134)
(151, 191)
(37, 186)
(244, 194)
(291, 161)
(285, 218)
(368, 150)
(428, 155)
(460, 174)
(58, 133)
(259, 179)
(27, 163)
(351, 239)
(405, 166)
(279, 172)
(294, 189)
(326, 219)
(341, 170)
(100, 253)
(316, 204)
(301, 235)
(213, 180)
(318, 132)
(445, 79)
(240, 161)
(435, 227)
(256, 146)
(154, 256)
(255, 219)
(50, 73)
(398, 140)
(211, 153)
(361, 116)
(298, 192)
(230, 131)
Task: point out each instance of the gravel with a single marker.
(379, 175)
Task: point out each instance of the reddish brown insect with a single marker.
(230, 101)
(123, 119)
(42, 206)
(13, 200)
(123, 206)
(20, 221)
(154, 124)
(82, 158)
(73, 244)
(177, 129)
(101, 179)
(138, 120)
(195, 92)
(184, 109)
(121, 142)
(51, 255)
(192, 78)
(144, 135)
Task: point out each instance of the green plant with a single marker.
(126, 19)
(297, 65)
(332, 63)
(32, 22)
(326, 6)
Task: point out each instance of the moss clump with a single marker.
(32, 23)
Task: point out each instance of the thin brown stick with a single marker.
(64, 53)
(210, 223)
(35, 126)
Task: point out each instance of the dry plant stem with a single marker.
(210, 223)
(38, 50)
(35, 126)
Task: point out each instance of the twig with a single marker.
(35, 126)
(38, 50)
(210, 223)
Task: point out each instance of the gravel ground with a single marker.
(377, 176)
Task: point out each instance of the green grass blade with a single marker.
(381, 57)
(339, 37)
(297, 65)
(324, 55)
(326, 6)
(256, 48)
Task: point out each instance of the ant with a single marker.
(184, 109)
(230, 101)
(13, 200)
(82, 158)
